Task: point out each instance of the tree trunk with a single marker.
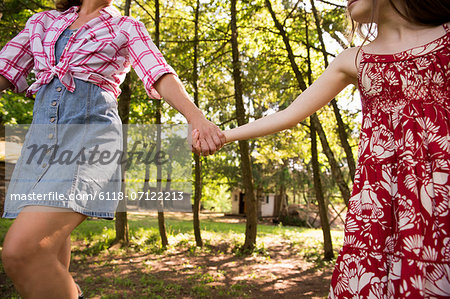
(277, 207)
(283, 201)
(167, 188)
(161, 222)
(323, 209)
(341, 128)
(197, 200)
(146, 187)
(197, 158)
(250, 200)
(121, 223)
(282, 184)
(335, 170)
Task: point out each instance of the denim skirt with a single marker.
(62, 159)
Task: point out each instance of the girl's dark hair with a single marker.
(425, 12)
(63, 5)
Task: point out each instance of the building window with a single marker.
(267, 198)
(235, 197)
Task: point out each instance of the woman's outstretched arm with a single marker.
(155, 73)
(336, 77)
(172, 90)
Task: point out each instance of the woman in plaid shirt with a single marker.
(81, 54)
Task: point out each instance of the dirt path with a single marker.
(202, 275)
(184, 272)
(214, 272)
(199, 275)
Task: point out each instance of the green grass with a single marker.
(218, 237)
(144, 235)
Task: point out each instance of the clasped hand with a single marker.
(207, 138)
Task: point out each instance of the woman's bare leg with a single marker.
(64, 256)
(64, 253)
(32, 255)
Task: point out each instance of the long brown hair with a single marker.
(63, 5)
(425, 12)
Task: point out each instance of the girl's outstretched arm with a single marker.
(340, 73)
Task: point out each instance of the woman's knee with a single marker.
(19, 254)
(37, 237)
(14, 256)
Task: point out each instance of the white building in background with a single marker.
(266, 203)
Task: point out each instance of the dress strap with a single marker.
(361, 50)
(447, 28)
(361, 54)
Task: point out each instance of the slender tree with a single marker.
(121, 223)
(323, 209)
(161, 222)
(341, 127)
(247, 176)
(197, 158)
(335, 169)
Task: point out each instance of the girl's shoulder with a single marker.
(421, 39)
(347, 61)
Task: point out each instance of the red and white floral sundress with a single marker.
(397, 233)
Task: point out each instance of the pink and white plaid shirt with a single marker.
(99, 52)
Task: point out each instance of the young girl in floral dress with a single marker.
(397, 233)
